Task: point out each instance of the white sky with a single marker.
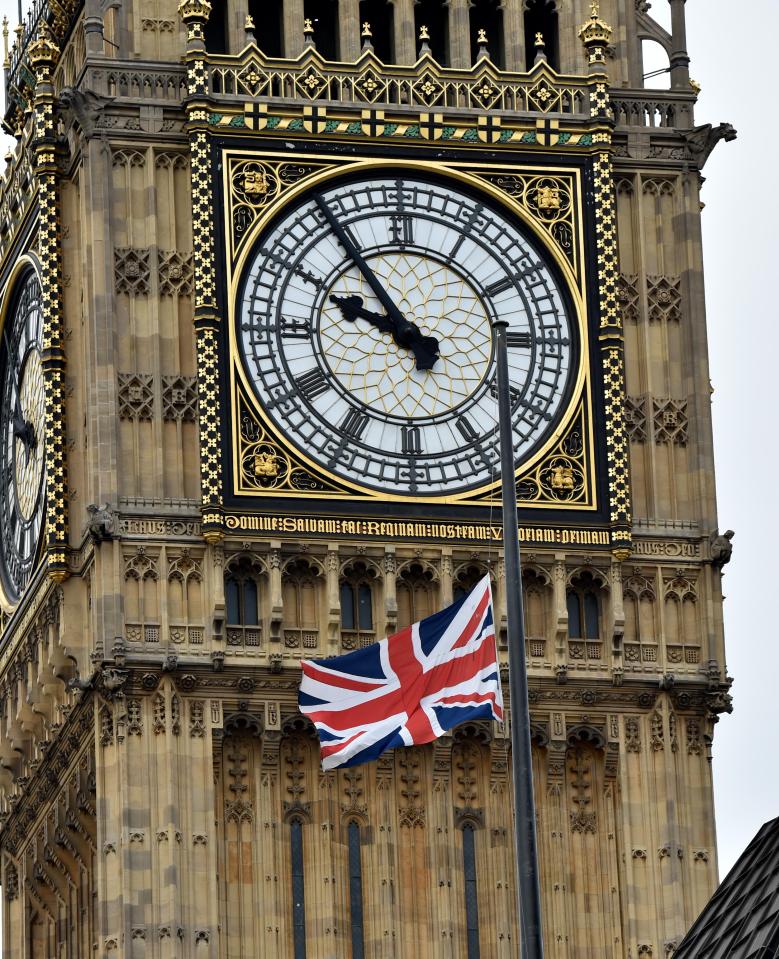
(732, 56)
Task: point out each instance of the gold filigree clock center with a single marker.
(371, 366)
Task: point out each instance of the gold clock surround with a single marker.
(257, 187)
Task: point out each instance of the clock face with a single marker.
(365, 324)
(22, 431)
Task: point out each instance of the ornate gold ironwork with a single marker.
(253, 186)
(425, 84)
(549, 200)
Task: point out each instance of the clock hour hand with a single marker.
(352, 309)
(404, 332)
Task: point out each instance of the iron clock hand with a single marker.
(404, 332)
(352, 309)
(22, 429)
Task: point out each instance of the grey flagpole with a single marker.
(525, 845)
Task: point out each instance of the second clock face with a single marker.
(365, 324)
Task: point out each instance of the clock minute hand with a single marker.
(405, 333)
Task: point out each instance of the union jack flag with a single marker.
(407, 689)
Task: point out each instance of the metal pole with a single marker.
(526, 849)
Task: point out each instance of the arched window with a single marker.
(298, 888)
(355, 891)
(435, 16)
(242, 602)
(584, 626)
(416, 593)
(357, 619)
(536, 595)
(583, 608)
(466, 577)
(541, 17)
(268, 28)
(380, 15)
(471, 894)
(323, 14)
(487, 15)
(216, 29)
(300, 593)
(656, 65)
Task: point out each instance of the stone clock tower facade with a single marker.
(250, 255)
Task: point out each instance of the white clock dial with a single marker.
(365, 323)
(22, 432)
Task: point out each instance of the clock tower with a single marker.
(251, 258)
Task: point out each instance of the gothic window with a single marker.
(471, 895)
(242, 602)
(640, 636)
(323, 14)
(142, 604)
(185, 599)
(267, 26)
(536, 600)
(487, 15)
(434, 15)
(584, 626)
(416, 594)
(656, 65)
(682, 637)
(465, 578)
(379, 14)
(216, 28)
(298, 888)
(356, 591)
(300, 592)
(541, 17)
(355, 891)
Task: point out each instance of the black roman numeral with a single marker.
(465, 426)
(494, 289)
(313, 384)
(411, 439)
(518, 341)
(354, 423)
(402, 229)
(295, 329)
(514, 393)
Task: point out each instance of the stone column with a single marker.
(680, 61)
(459, 34)
(293, 28)
(404, 31)
(333, 600)
(514, 35)
(349, 26)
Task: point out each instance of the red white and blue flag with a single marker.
(407, 689)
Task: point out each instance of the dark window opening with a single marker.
(471, 896)
(465, 580)
(379, 14)
(487, 15)
(298, 889)
(583, 608)
(323, 14)
(435, 16)
(541, 17)
(215, 34)
(268, 28)
(355, 892)
(242, 596)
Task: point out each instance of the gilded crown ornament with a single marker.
(192, 11)
(43, 50)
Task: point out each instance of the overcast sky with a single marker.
(732, 57)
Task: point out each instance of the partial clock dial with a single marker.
(22, 431)
(365, 324)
